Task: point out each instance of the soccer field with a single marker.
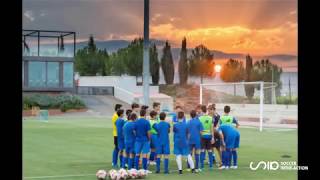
(75, 148)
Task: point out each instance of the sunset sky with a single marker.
(257, 27)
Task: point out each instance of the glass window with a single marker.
(53, 74)
(37, 74)
(68, 74)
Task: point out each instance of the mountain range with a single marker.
(286, 60)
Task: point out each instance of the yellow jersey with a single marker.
(114, 127)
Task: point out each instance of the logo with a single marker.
(269, 165)
(275, 165)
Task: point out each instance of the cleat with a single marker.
(180, 171)
(222, 167)
(188, 170)
(234, 167)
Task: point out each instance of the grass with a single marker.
(81, 146)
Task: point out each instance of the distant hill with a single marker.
(114, 45)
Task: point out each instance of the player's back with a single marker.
(228, 130)
(206, 122)
(194, 127)
(128, 131)
(119, 124)
(113, 120)
(142, 126)
(163, 132)
(180, 134)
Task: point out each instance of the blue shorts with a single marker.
(181, 151)
(196, 145)
(232, 141)
(129, 147)
(163, 149)
(154, 141)
(142, 147)
(121, 144)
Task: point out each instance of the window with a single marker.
(68, 74)
(37, 74)
(53, 74)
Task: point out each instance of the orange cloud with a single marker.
(237, 39)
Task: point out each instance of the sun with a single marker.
(217, 68)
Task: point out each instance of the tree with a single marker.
(132, 57)
(233, 71)
(201, 62)
(154, 65)
(167, 64)
(262, 71)
(183, 63)
(249, 89)
(89, 61)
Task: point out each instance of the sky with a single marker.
(258, 27)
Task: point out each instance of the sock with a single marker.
(190, 161)
(144, 163)
(151, 158)
(158, 164)
(197, 157)
(179, 163)
(202, 155)
(124, 160)
(115, 156)
(210, 159)
(235, 158)
(188, 165)
(213, 157)
(130, 163)
(121, 160)
(137, 162)
(223, 158)
(228, 157)
(166, 165)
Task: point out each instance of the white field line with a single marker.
(83, 175)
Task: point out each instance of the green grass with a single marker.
(77, 146)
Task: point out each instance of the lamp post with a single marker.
(146, 53)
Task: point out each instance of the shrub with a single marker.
(63, 102)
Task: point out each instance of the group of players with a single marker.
(142, 132)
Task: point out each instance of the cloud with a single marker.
(29, 15)
(236, 39)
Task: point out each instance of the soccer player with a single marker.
(198, 110)
(163, 148)
(180, 142)
(228, 119)
(156, 107)
(128, 112)
(195, 129)
(142, 143)
(207, 137)
(115, 153)
(119, 124)
(174, 115)
(230, 139)
(129, 139)
(217, 141)
(154, 137)
(135, 108)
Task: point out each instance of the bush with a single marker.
(286, 100)
(63, 102)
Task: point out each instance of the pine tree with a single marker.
(249, 89)
(167, 64)
(183, 63)
(154, 65)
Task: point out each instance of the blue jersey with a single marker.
(128, 132)
(180, 134)
(119, 124)
(163, 132)
(175, 118)
(142, 127)
(194, 127)
(228, 130)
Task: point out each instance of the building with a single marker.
(43, 72)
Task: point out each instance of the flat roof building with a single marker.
(43, 71)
